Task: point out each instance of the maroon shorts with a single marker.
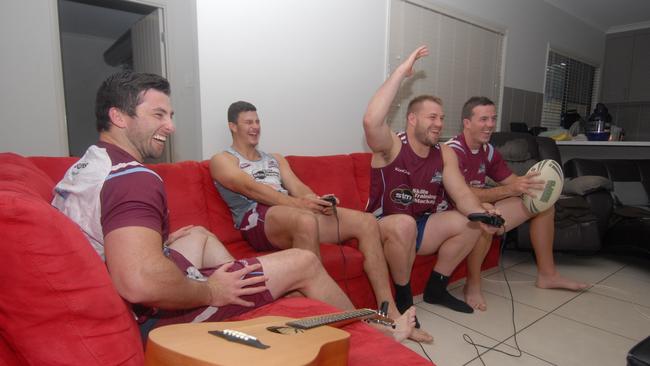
(252, 228)
(212, 313)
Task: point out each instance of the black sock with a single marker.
(404, 299)
(436, 293)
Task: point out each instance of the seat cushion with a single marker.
(57, 304)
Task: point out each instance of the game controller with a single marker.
(329, 198)
(486, 218)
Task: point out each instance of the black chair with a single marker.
(576, 228)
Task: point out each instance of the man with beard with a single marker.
(410, 179)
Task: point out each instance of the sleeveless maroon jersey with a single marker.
(409, 185)
(476, 166)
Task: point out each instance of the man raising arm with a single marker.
(407, 193)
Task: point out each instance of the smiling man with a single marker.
(274, 209)
(410, 178)
(478, 160)
(121, 206)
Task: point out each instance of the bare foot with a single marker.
(404, 325)
(474, 297)
(557, 281)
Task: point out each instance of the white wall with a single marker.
(309, 67)
(532, 25)
(31, 105)
(32, 116)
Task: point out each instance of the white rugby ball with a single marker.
(553, 177)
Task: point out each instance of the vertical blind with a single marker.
(464, 60)
(570, 86)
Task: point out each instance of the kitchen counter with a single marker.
(604, 149)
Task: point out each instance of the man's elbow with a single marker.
(133, 290)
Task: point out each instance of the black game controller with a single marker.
(486, 218)
(330, 198)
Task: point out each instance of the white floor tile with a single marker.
(499, 359)
(565, 342)
(496, 322)
(448, 348)
(625, 287)
(513, 257)
(609, 314)
(587, 269)
(524, 290)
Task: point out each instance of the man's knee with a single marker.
(305, 223)
(304, 261)
(400, 229)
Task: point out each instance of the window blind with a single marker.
(464, 60)
(569, 86)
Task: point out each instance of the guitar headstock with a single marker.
(379, 317)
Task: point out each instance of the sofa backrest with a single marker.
(630, 177)
(57, 304)
(522, 150)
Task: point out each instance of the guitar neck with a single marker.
(337, 320)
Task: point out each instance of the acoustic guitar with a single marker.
(274, 340)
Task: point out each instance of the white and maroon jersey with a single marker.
(108, 189)
(477, 165)
(409, 185)
(265, 170)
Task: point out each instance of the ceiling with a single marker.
(610, 16)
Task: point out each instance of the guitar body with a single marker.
(192, 345)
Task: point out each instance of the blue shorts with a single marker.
(420, 222)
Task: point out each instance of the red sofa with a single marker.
(58, 305)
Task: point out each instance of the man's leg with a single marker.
(472, 289)
(289, 227)
(398, 234)
(363, 227)
(452, 237)
(542, 233)
(201, 248)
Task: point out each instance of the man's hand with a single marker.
(527, 184)
(489, 228)
(228, 287)
(407, 66)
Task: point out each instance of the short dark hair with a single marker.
(473, 102)
(239, 107)
(123, 90)
(415, 103)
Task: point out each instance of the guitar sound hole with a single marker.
(279, 329)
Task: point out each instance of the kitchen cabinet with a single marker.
(626, 75)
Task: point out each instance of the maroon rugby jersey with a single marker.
(409, 185)
(486, 162)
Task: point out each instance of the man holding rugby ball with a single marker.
(477, 160)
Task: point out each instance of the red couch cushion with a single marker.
(54, 167)
(20, 170)
(329, 174)
(62, 307)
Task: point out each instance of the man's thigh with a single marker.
(440, 227)
(281, 223)
(513, 211)
(350, 224)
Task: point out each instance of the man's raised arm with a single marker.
(378, 133)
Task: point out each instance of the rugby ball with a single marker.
(553, 177)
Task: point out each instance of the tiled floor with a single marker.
(554, 327)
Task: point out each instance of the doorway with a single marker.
(99, 38)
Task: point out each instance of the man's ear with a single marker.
(117, 117)
(411, 118)
(232, 126)
(466, 122)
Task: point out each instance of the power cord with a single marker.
(469, 339)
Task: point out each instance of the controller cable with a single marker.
(340, 245)
(469, 339)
